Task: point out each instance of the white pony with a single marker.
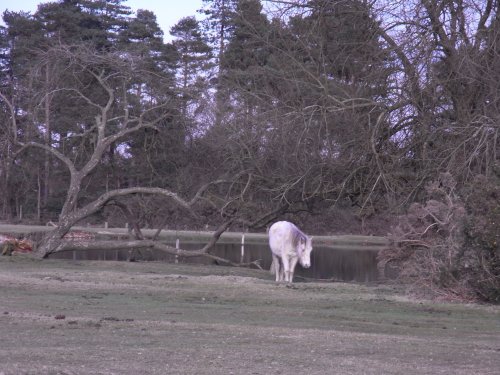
(288, 245)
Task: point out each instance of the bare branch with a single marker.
(112, 194)
(69, 164)
(481, 25)
(131, 219)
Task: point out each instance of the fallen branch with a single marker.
(148, 244)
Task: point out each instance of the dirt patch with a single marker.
(65, 317)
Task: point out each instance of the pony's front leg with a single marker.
(286, 268)
(277, 268)
(292, 264)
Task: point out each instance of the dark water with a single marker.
(346, 263)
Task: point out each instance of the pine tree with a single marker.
(194, 60)
(243, 64)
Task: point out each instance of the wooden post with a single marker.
(242, 247)
(177, 246)
(106, 225)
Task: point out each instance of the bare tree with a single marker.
(110, 76)
(104, 86)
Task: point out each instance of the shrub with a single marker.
(482, 237)
(449, 244)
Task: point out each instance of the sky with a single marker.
(168, 12)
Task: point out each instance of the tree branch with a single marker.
(130, 218)
(53, 151)
(481, 25)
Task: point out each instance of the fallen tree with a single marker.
(144, 243)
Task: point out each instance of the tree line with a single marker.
(345, 116)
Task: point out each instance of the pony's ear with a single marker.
(303, 242)
(302, 245)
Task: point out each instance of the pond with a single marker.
(343, 261)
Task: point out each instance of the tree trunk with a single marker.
(47, 139)
(5, 189)
(52, 241)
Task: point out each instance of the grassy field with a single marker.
(66, 317)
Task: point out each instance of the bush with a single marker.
(482, 237)
(450, 245)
